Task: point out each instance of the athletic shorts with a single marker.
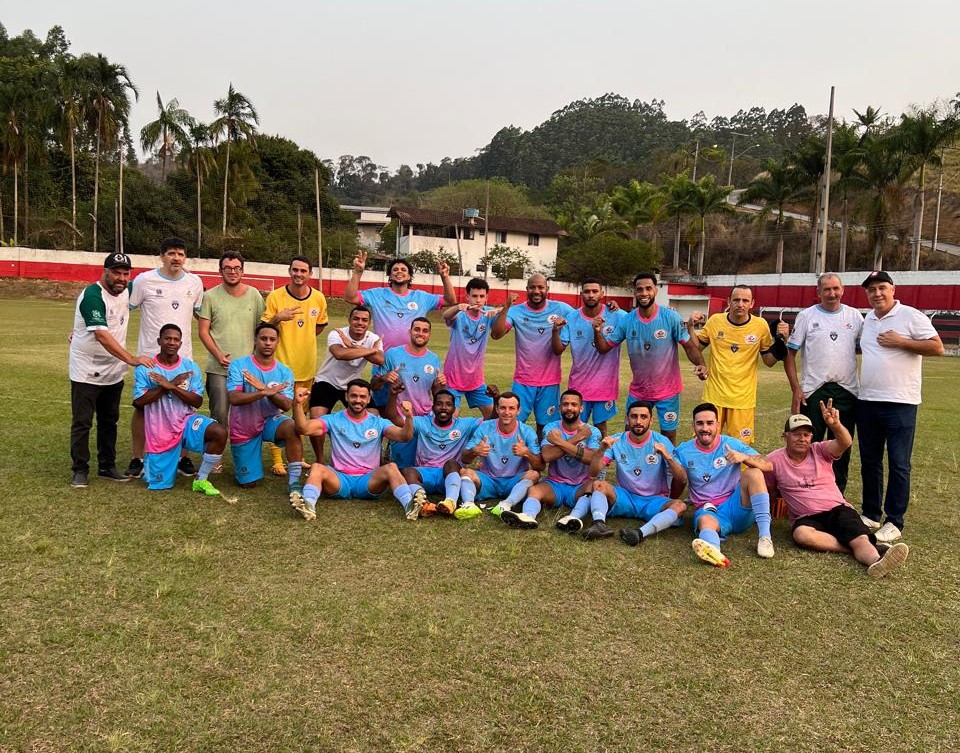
(354, 487)
(431, 479)
(842, 522)
(247, 456)
(601, 411)
(736, 422)
(630, 505)
(542, 401)
(476, 398)
(566, 494)
(494, 487)
(325, 395)
(404, 454)
(160, 468)
(732, 516)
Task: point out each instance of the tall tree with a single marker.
(810, 160)
(69, 87)
(776, 186)
(678, 193)
(847, 157)
(708, 198)
(197, 157)
(638, 204)
(237, 122)
(885, 169)
(168, 133)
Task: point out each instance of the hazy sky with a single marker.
(417, 81)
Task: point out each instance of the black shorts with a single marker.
(325, 395)
(842, 522)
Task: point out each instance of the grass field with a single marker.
(135, 621)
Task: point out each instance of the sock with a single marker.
(761, 511)
(468, 490)
(294, 470)
(599, 506)
(403, 495)
(208, 464)
(517, 493)
(659, 522)
(582, 507)
(311, 494)
(275, 453)
(414, 488)
(532, 507)
(451, 486)
(711, 537)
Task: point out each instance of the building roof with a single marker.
(436, 218)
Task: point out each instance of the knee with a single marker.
(410, 475)
(531, 476)
(604, 488)
(678, 506)
(802, 536)
(451, 466)
(468, 474)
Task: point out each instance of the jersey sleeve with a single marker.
(205, 309)
(333, 338)
(92, 308)
(609, 455)
(322, 317)
(287, 377)
(142, 383)
(476, 437)
(430, 301)
(798, 334)
(920, 327)
(565, 334)
(271, 307)
(530, 438)
(196, 380)
(136, 293)
(766, 338)
(735, 444)
(198, 289)
(511, 316)
(679, 332)
(234, 377)
(593, 441)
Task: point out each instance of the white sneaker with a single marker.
(888, 533)
(765, 547)
(890, 561)
(870, 523)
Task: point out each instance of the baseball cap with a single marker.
(798, 421)
(117, 260)
(877, 276)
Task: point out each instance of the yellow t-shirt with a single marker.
(298, 336)
(734, 348)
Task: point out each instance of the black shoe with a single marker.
(631, 536)
(186, 467)
(79, 480)
(599, 530)
(135, 469)
(112, 473)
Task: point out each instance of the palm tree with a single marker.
(708, 198)
(638, 204)
(678, 197)
(198, 158)
(847, 156)
(810, 160)
(70, 100)
(588, 222)
(238, 120)
(169, 130)
(19, 135)
(884, 170)
(777, 186)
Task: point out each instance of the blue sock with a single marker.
(599, 506)
(532, 507)
(468, 490)
(294, 470)
(710, 536)
(518, 492)
(403, 495)
(311, 493)
(451, 486)
(659, 522)
(761, 511)
(208, 463)
(582, 507)
(414, 488)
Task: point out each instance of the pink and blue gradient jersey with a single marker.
(537, 364)
(640, 469)
(246, 421)
(652, 349)
(438, 444)
(417, 372)
(568, 470)
(355, 443)
(393, 314)
(164, 419)
(469, 335)
(501, 462)
(594, 375)
(710, 477)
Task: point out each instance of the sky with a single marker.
(415, 81)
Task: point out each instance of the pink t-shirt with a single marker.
(808, 487)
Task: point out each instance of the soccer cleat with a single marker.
(563, 522)
(135, 469)
(870, 523)
(279, 469)
(570, 524)
(888, 533)
(113, 474)
(765, 547)
(203, 485)
(79, 480)
(500, 508)
(709, 553)
(467, 511)
(599, 530)
(631, 536)
(518, 519)
(446, 506)
(892, 558)
(416, 505)
(186, 467)
(428, 509)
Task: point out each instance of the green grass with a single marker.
(163, 622)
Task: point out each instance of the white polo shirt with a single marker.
(893, 374)
(339, 373)
(827, 341)
(163, 300)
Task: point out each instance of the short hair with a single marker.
(421, 319)
(827, 275)
(706, 407)
(645, 276)
(640, 404)
(572, 392)
(266, 325)
(230, 255)
(741, 287)
(172, 242)
(394, 262)
(358, 383)
(507, 393)
(304, 259)
(167, 326)
(477, 284)
(590, 281)
(438, 393)
(360, 309)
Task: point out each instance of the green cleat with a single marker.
(467, 511)
(500, 509)
(205, 487)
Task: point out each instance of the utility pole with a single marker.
(824, 225)
(733, 153)
(316, 186)
(486, 232)
(696, 157)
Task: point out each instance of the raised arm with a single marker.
(500, 326)
(555, 342)
(306, 427)
(351, 293)
(404, 433)
(842, 440)
(449, 292)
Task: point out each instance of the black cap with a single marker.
(117, 260)
(878, 276)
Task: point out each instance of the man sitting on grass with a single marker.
(822, 519)
(356, 436)
(169, 394)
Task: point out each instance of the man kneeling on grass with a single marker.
(169, 395)
(822, 519)
(356, 436)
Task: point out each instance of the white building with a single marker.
(370, 221)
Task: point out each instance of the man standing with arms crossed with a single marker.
(826, 337)
(894, 340)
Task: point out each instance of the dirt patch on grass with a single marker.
(22, 287)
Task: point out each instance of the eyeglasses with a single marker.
(231, 269)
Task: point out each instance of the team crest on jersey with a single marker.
(637, 471)
(197, 423)
(482, 328)
(400, 315)
(647, 346)
(706, 477)
(579, 334)
(551, 410)
(504, 459)
(314, 313)
(669, 416)
(541, 330)
(815, 325)
(651, 459)
(175, 304)
(608, 405)
(552, 318)
(746, 431)
(300, 323)
(848, 325)
(720, 335)
(734, 348)
(356, 445)
(411, 306)
(833, 335)
(273, 384)
(455, 434)
(750, 339)
(719, 463)
(370, 433)
(660, 334)
(416, 377)
(608, 330)
(429, 369)
(473, 340)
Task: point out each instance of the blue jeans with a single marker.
(893, 425)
